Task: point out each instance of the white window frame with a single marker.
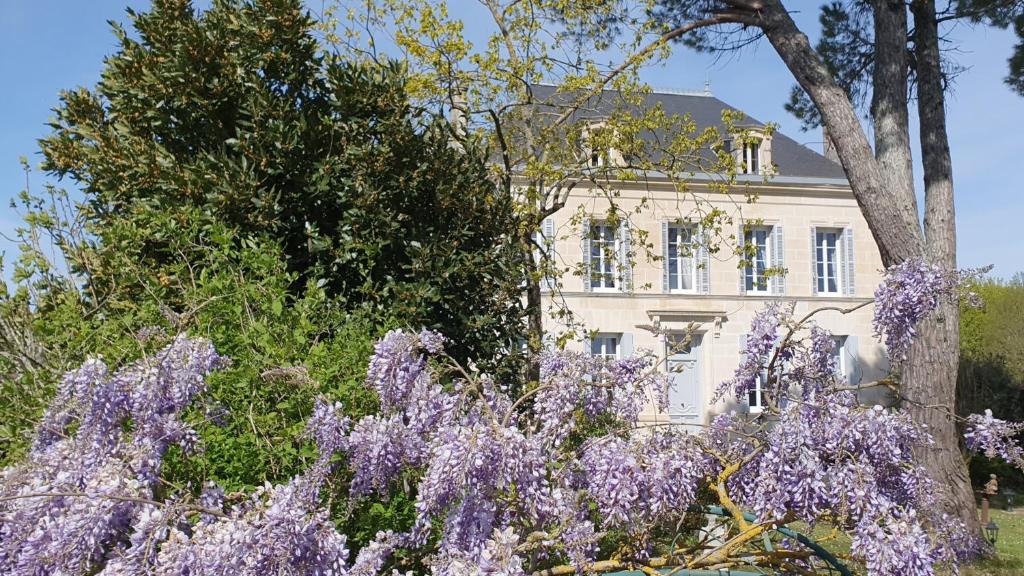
(820, 258)
(757, 391)
(595, 158)
(601, 343)
(764, 287)
(751, 153)
(680, 257)
(603, 258)
(839, 352)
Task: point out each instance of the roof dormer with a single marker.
(598, 143)
(751, 150)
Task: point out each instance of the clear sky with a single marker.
(49, 45)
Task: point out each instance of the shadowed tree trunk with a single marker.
(882, 183)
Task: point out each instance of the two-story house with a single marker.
(808, 223)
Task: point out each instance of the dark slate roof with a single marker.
(794, 161)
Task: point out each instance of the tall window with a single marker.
(755, 396)
(603, 248)
(605, 346)
(827, 248)
(838, 351)
(596, 145)
(682, 271)
(752, 157)
(754, 277)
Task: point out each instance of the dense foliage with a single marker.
(238, 184)
(992, 367)
(502, 484)
(233, 115)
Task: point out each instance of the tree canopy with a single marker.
(235, 115)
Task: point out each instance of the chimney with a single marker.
(457, 116)
(829, 147)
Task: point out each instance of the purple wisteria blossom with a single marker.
(995, 438)
(105, 468)
(758, 346)
(909, 292)
(581, 468)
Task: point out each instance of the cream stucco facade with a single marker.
(792, 209)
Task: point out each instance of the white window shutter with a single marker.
(624, 259)
(743, 269)
(585, 249)
(778, 260)
(626, 345)
(814, 260)
(548, 242)
(704, 260)
(852, 360)
(664, 253)
(849, 270)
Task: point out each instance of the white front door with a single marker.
(685, 398)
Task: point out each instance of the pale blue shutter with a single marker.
(849, 271)
(778, 260)
(548, 244)
(704, 260)
(743, 270)
(853, 369)
(666, 287)
(626, 345)
(625, 262)
(585, 248)
(814, 260)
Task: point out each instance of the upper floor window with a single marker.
(605, 346)
(755, 275)
(604, 245)
(752, 151)
(828, 261)
(832, 261)
(682, 269)
(752, 157)
(597, 145)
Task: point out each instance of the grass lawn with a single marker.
(1009, 546)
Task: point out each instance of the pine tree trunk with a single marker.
(928, 389)
(928, 382)
(932, 365)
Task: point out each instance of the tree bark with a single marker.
(896, 232)
(889, 108)
(534, 314)
(884, 189)
(930, 370)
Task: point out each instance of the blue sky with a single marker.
(49, 45)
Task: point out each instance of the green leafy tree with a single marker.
(235, 116)
(540, 93)
(991, 372)
(237, 184)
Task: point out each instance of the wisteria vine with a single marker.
(564, 478)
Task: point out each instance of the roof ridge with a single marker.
(706, 91)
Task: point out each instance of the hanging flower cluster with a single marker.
(566, 477)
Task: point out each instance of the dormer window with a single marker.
(752, 157)
(752, 151)
(596, 146)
